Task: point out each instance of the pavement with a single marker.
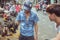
(46, 28)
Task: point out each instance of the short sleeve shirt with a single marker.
(58, 29)
(27, 26)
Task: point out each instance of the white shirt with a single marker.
(58, 29)
(12, 8)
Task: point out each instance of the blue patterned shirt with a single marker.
(27, 27)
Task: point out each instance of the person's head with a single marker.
(53, 11)
(27, 6)
(7, 4)
(12, 2)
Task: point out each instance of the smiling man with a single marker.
(53, 11)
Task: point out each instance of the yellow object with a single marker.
(12, 28)
(4, 19)
(16, 35)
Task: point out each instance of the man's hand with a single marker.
(35, 37)
(36, 32)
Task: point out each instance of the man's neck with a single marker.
(27, 14)
(58, 20)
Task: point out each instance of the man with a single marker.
(53, 11)
(12, 7)
(28, 23)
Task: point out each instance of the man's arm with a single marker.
(36, 32)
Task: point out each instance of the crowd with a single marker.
(8, 14)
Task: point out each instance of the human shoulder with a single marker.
(34, 13)
(21, 13)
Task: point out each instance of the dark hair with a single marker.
(53, 8)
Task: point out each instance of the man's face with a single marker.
(27, 11)
(51, 17)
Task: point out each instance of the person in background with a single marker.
(53, 11)
(44, 8)
(28, 23)
(18, 7)
(37, 6)
(12, 9)
(6, 6)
